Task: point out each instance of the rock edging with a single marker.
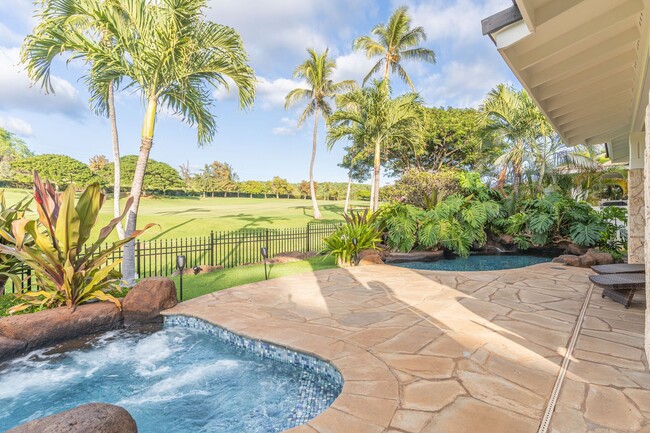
(92, 417)
(26, 332)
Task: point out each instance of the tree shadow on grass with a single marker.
(178, 212)
(161, 234)
(254, 221)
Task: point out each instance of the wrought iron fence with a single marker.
(220, 248)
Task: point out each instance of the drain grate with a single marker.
(550, 408)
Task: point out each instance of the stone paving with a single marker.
(424, 351)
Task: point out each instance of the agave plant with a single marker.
(68, 269)
(9, 265)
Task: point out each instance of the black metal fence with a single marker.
(219, 248)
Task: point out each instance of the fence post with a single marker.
(137, 258)
(211, 247)
(266, 241)
(307, 236)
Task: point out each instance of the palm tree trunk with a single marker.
(148, 126)
(347, 195)
(376, 173)
(314, 202)
(116, 158)
(517, 180)
(372, 188)
(501, 180)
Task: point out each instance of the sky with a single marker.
(263, 141)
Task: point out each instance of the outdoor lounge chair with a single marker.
(619, 268)
(619, 287)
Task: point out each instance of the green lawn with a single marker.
(188, 217)
(197, 285)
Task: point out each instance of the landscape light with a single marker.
(180, 265)
(355, 241)
(265, 255)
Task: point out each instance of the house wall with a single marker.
(636, 216)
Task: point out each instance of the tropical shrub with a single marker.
(65, 271)
(416, 186)
(359, 225)
(554, 218)
(455, 222)
(9, 265)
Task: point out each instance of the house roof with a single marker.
(584, 63)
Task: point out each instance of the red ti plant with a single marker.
(68, 268)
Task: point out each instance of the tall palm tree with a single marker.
(317, 71)
(510, 116)
(173, 58)
(395, 41)
(367, 116)
(82, 18)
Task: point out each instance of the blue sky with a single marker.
(264, 141)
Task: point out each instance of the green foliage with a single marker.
(66, 272)
(455, 222)
(158, 176)
(61, 170)
(280, 186)
(9, 265)
(358, 225)
(400, 222)
(12, 148)
(416, 187)
(553, 218)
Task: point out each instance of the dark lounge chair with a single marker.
(619, 287)
(619, 268)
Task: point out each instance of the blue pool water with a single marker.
(478, 263)
(177, 379)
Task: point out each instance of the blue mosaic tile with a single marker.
(320, 383)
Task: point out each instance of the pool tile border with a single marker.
(315, 399)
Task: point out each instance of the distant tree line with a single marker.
(17, 164)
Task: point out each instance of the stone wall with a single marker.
(636, 216)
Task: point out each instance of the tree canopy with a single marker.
(60, 170)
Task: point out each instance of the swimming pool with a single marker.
(188, 376)
(478, 263)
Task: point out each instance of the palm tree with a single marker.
(395, 41)
(366, 116)
(510, 117)
(65, 27)
(316, 71)
(173, 58)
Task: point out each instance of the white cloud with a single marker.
(289, 127)
(271, 93)
(16, 125)
(353, 66)
(461, 84)
(17, 93)
(458, 21)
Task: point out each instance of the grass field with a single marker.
(197, 285)
(188, 217)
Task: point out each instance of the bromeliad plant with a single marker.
(68, 269)
(360, 225)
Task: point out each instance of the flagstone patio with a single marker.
(424, 351)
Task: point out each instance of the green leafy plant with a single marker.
(67, 270)
(400, 222)
(9, 265)
(457, 223)
(359, 225)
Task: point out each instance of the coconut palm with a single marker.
(367, 116)
(317, 71)
(65, 27)
(170, 55)
(393, 42)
